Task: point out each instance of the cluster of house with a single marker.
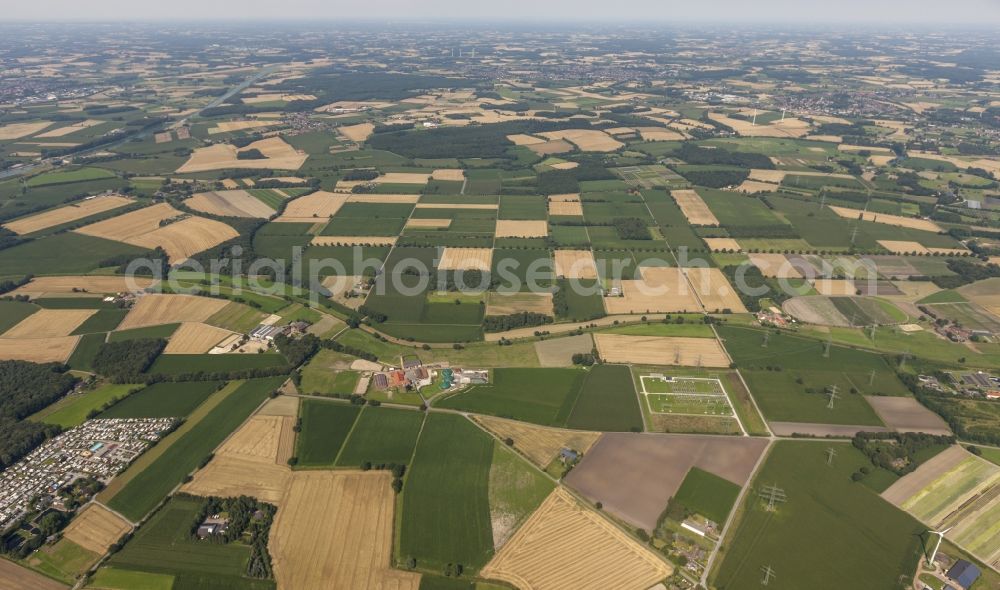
(413, 375)
(99, 448)
(774, 316)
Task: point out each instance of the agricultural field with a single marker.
(325, 427)
(824, 514)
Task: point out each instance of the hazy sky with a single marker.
(883, 12)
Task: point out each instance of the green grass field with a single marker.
(707, 405)
(14, 312)
(164, 400)
(707, 494)
(85, 351)
(69, 176)
(180, 364)
(607, 401)
(831, 533)
(111, 578)
(382, 435)
(148, 487)
(104, 320)
(72, 410)
(540, 396)
(161, 331)
(65, 253)
(516, 487)
(446, 506)
(65, 560)
(325, 426)
(164, 546)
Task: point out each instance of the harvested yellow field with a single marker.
(318, 206)
(824, 138)
(230, 126)
(229, 183)
(277, 96)
(904, 247)
(564, 206)
(228, 475)
(482, 206)
(67, 213)
(659, 134)
(466, 259)
(777, 176)
(278, 154)
(403, 178)
(38, 350)
(660, 290)
(897, 220)
(507, 228)
(156, 309)
(844, 147)
(881, 160)
(195, 338)
(62, 131)
(361, 198)
(449, 174)
(723, 244)
(575, 264)
(359, 132)
(564, 165)
(694, 208)
(834, 287)
(521, 139)
(540, 444)
(127, 226)
(49, 323)
(282, 405)
(714, 290)
(40, 286)
(254, 460)
(335, 530)
(187, 237)
(661, 350)
(775, 266)
(16, 577)
(354, 240)
(96, 528)
(19, 130)
(587, 140)
(428, 223)
(230, 204)
(565, 545)
(984, 163)
(510, 303)
(790, 127)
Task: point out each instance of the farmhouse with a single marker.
(268, 333)
(964, 574)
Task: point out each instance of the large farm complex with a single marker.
(408, 306)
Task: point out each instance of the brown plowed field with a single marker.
(567, 546)
(96, 528)
(634, 475)
(905, 414)
(15, 577)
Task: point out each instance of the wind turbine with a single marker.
(940, 534)
(755, 116)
